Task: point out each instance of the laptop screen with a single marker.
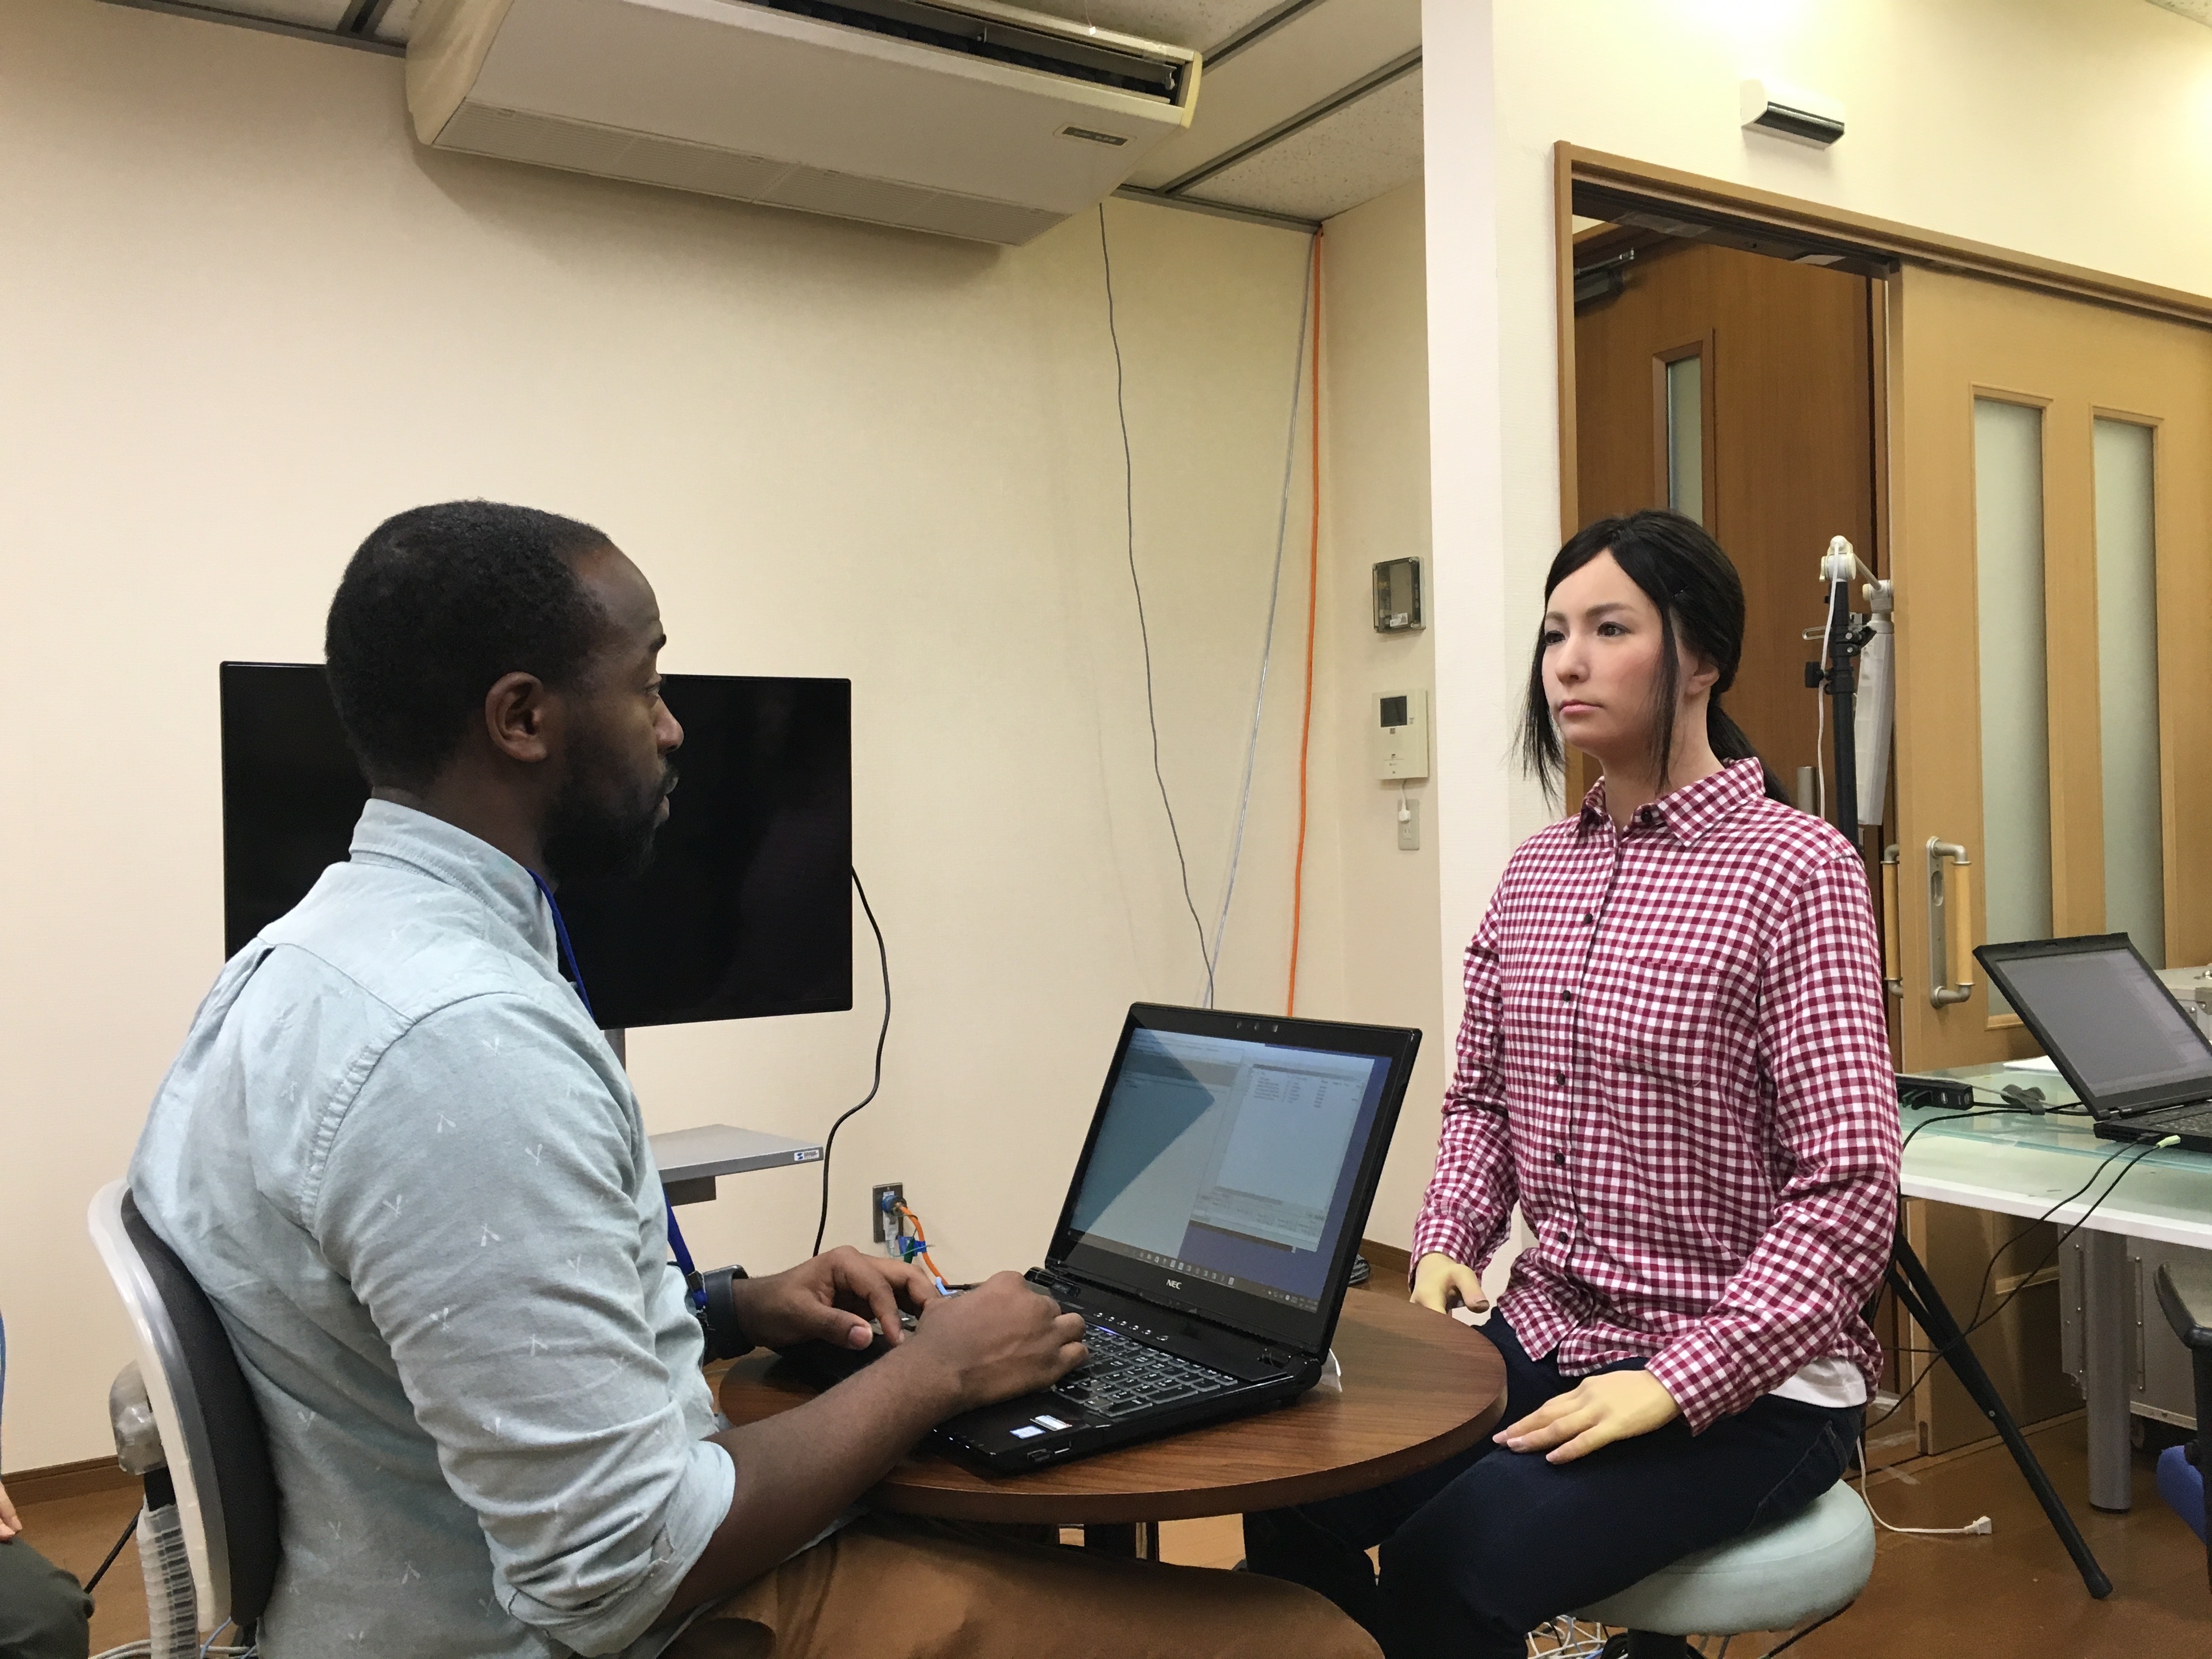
(1225, 1169)
(2104, 1017)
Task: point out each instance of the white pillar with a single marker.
(1478, 669)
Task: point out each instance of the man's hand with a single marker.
(999, 1340)
(797, 1469)
(830, 1299)
(1441, 1283)
(1598, 1410)
(10, 1524)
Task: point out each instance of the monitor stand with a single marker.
(690, 1160)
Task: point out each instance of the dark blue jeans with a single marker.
(1485, 1546)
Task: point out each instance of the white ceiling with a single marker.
(392, 22)
(1270, 77)
(1305, 107)
(1202, 24)
(308, 14)
(1348, 157)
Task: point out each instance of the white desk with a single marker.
(2022, 1164)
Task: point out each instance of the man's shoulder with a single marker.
(400, 941)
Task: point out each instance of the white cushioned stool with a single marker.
(1774, 1577)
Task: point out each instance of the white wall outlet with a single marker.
(1409, 823)
(1400, 735)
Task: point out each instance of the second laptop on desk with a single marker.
(1208, 1232)
(2132, 1054)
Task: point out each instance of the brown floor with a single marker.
(2012, 1593)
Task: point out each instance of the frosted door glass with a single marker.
(2015, 717)
(1686, 437)
(2127, 688)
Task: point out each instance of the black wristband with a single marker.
(718, 1319)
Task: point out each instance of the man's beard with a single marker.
(592, 836)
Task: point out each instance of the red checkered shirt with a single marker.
(1674, 1057)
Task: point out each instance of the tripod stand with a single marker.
(1916, 1294)
(1837, 678)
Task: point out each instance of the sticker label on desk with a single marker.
(1043, 1422)
(1025, 1432)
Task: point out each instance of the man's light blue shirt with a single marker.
(413, 1178)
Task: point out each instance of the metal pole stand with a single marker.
(1917, 1292)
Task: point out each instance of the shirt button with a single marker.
(1560, 1078)
(1566, 996)
(1560, 1158)
(1589, 918)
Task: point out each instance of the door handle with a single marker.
(1950, 924)
(1892, 975)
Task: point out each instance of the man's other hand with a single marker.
(830, 1299)
(10, 1524)
(999, 1340)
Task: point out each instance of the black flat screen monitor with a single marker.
(746, 909)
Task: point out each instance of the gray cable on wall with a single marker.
(1144, 633)
(1267, 638)
(1210, 956)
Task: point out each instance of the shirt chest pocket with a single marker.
(1679, 1021)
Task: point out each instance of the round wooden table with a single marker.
(1418, 1388)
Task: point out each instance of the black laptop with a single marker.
(2133, 1054)
(1209, 1231)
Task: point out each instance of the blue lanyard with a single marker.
(693, 1293)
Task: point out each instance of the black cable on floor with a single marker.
(1793, 1641)
(129, 1527)
(829, 1142)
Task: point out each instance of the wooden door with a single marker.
(1784, 361)
(2022, 692)
(2073, 767)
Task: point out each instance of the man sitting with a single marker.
(412, 1177)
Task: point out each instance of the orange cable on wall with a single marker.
(1313, 607)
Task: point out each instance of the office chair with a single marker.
(215, 1448)
(2185, 1293)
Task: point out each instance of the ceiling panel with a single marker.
(1344, 159)
(1289, 70)
(394, 20)
(309, 14)
(1202, 24)
(2199, 10)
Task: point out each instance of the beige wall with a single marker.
(2078, 130)
(246, 318)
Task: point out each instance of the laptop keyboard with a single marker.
(1122, 1376)
(2188, 1121)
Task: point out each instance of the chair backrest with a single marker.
(211, 1430)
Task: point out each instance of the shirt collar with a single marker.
(388, 833)
(1688, 812)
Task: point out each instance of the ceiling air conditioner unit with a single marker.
(962, 116)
